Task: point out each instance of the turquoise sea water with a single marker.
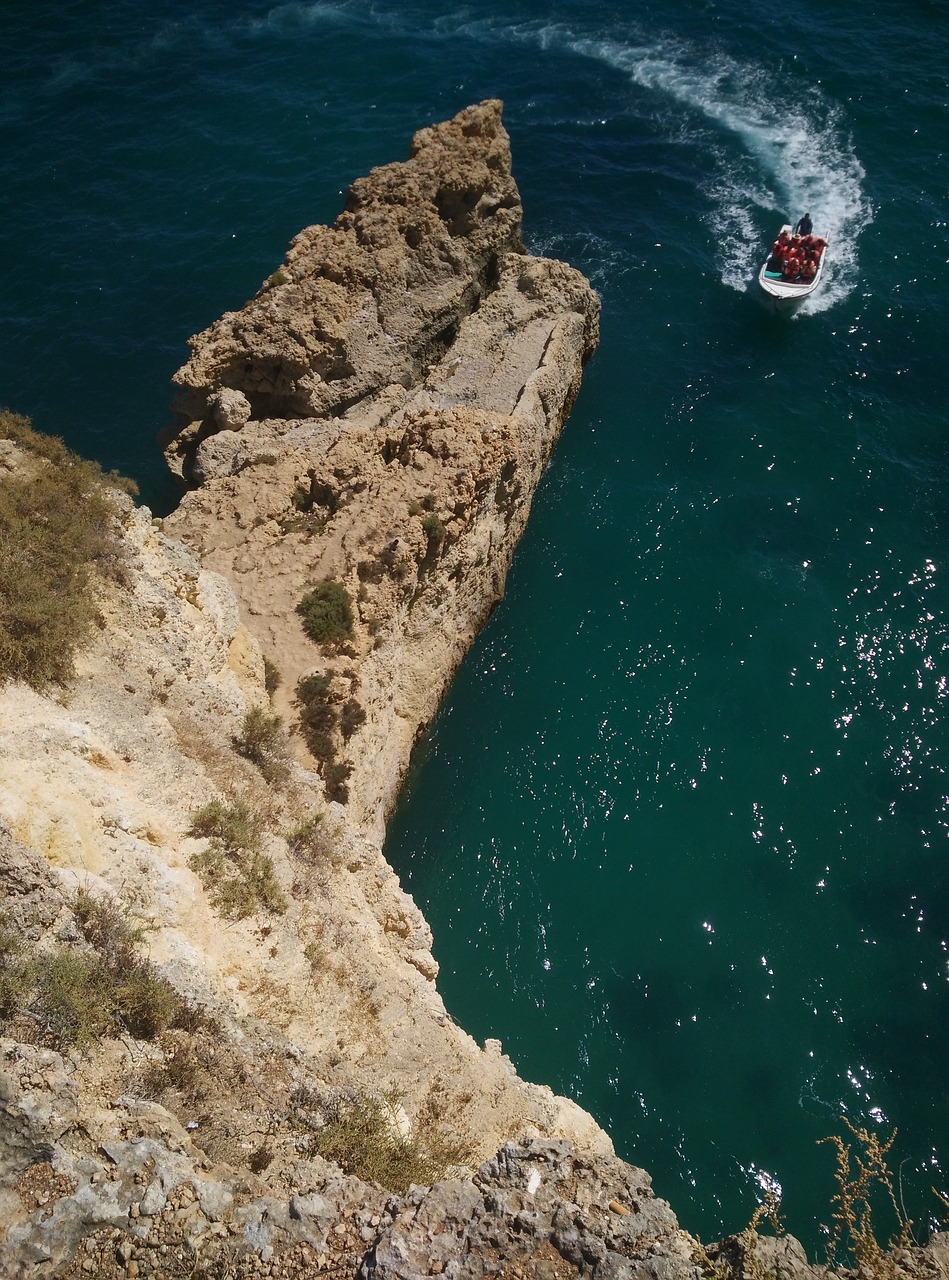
(681, 827)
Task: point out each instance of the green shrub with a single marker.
(434, 530)
(234, 826)
(75, 994)
(67, 996)
(239, 879)
(272, 677)
(327, 613)
(318, 716)
(57, 531)
(255, 886)
(360, 1134)
(319, 722)
(351, 718)
(262, 740)
(336, 777)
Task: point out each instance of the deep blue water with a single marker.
(681, 827)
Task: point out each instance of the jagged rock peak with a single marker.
(374, 299)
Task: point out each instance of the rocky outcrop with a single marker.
(376, 298)
(408, 478)
(404, 470)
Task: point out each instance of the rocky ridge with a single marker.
(466, 356)
(378, 416)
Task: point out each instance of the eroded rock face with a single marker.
(376, 298)
(456, 387)
(408, 474)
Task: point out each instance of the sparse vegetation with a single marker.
(317, 716)
(860, 1174)
(263, 741)
(864, 1187)
(68, 996)
(311, 840)
(352, 717)
(418, 505)
(361, 1133)
(57, 533)
(327, 613)
(307, 520)
(309, 525)
(319, 720)
(239, 878)
(434, 530)
(272, 677)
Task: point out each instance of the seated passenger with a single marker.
(792, 268)
(809, 269)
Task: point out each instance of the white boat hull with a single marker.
(785, 293)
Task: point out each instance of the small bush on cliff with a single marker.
(319, 722)
(238, 877)
(861, 1176)
(312, 841)
(68, 996)
(327, 613)
(262, 740)
(56, 532)
(362, 1135)
(865, 1188)
(352, 717)
(272, 677)
(434, 530)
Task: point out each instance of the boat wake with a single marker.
(789, 158)
(776, 149)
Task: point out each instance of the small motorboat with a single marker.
(784, 292)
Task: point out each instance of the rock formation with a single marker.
(376, 419)
(407, 372)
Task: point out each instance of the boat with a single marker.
(784, 293)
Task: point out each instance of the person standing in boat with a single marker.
(805, 226)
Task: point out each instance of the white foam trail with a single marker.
(798, 154)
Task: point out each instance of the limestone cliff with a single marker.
(435, 364)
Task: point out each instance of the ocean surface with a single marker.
(681, 826)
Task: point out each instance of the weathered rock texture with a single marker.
(422, 366)
(377, 298)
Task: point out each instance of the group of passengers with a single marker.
(797, 256)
